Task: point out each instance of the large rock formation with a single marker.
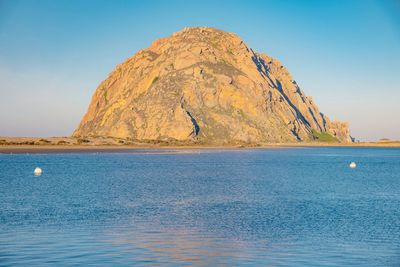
(207, 85)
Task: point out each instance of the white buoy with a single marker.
(37, 171)
(353, 165)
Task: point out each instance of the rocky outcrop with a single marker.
(204, 84)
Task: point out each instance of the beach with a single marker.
(90, 148)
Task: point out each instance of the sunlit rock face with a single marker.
(204, 85)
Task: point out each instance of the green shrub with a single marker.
(62, 142)
(82, 141)
(154, 80)
(323, 136)
(28, 143)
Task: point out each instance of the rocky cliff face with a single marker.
(204, 84)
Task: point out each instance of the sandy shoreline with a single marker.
(10, 149)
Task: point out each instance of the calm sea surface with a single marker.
(266, 207)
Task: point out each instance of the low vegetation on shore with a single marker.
(321, 139)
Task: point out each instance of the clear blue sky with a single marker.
(53, 54)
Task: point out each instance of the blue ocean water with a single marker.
(257, 207)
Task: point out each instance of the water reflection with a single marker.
(181, 246)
